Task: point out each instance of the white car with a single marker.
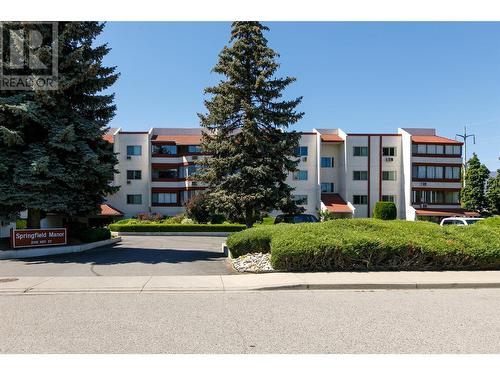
(460, 220)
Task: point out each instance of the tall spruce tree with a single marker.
(493, 194)
(473, 194)
(52, 154)
(245, 130)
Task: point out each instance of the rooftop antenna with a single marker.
(464, 137)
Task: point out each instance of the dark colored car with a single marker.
(296, 219)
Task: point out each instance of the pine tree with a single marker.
(493, 194)
(473, 195)
(245, 130)
(52, 154)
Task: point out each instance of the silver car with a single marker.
(460, 220)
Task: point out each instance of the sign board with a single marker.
(37, 237)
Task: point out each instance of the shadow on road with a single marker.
(124, 255)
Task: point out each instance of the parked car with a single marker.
(460, 220)
(296, 219)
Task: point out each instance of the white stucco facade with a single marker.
(342, 172)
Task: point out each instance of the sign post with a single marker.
(37, 237)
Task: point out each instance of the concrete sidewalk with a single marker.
(251, 282)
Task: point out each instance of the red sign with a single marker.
(37, 237)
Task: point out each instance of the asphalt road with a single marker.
(133, 256)
(412, 321)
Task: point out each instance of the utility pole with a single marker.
(464, 137)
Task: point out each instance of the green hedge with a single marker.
(176, 227)
(93, 234)
(372, 244)
(385, 211)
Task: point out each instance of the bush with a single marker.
(118, 227)
(256, 240)
(385, 211)
(21, 224)
(198, 209)
(147, 216)
(372, 244)
(93, 234)
(326, 215)
(178, 219)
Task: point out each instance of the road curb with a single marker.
(56, 250)
(234, 283)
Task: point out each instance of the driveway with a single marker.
(133, 256)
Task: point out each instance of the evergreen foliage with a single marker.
(245, 130)
(385, 211)
(493, 194)
(473, 196)
(52, 154)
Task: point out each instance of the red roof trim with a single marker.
(335, 203)
(108, 210)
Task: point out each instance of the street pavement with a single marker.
(319, 321)
(133, 256)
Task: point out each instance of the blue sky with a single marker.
(358, 76)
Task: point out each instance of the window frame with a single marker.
(363, 151)
(134, 174)
(360, 175)
(331, 159)
(134, 147)
(386, 175)
(388, 154)
(132, 201)
(363, 199)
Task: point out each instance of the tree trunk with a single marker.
(34, 217)
(248, 217)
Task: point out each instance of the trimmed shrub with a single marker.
(256, 240)
(147, 216)
(385, 211)
(176, 227)
(93, 234)
(372, 244)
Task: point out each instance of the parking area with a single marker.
(133, 256)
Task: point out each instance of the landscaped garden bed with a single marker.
(370, 244)
(172, 224)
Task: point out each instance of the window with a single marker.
(194, 149)
(432, 149)
(164, 173)
(300, 175)
(165, 149)
(164, 198)
(421, 149)
(435, 197)
(389, 198)
(360, 151)
(327, 187)
(360, 175)
(301, 151)
(452, 197)
(301, 200)
(431, 172)
(134, 150)
(389, 151)
(134, 175)
(389, 175)
(134, 199)
(327, 162)
(360, 199)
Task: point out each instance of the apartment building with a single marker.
(344, 173)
